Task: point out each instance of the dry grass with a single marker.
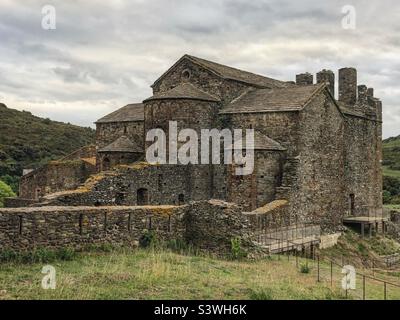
(163, 274)
(160, 274)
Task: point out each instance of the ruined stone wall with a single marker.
(317, 194)
(202, 78)
(275, 214)
(207, 225)
(363, 149)
(163, 184)
(75, 227)
(53, 177)
(116, 158)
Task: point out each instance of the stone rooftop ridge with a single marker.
(231, 73)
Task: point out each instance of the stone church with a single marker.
(320, 154)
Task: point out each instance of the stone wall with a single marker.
(317, 195)
(363, 150)
(55, 176)
(111, 131)
(207, 225)
(18, 202)
(272, 215)
(202, 78)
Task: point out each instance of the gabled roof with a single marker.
(130, 112)
(261, 142)
(122, 144)
(184, 91)
(293, 98)
(226, 72)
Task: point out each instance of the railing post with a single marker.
(318, 268)
(363, 287)
(331, 274)
(385, 292)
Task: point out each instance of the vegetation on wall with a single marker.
(27, 141)
(5, 192)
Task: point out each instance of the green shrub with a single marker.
(237, 250)
(304, 268)
(147, 239)
(5, 192)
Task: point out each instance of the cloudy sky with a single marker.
(105, 54)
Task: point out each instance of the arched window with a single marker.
(106, 164)
(142, 197)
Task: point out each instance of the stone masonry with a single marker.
(319, 154)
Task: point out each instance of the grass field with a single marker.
(162, 274)
(390, 173)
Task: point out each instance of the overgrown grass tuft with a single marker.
(40, 255)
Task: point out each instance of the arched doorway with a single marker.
(106, 164)
(142, 197)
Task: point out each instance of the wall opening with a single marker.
(142, 197)
(181, 199)
(80, 223)
(119, 198)
(20, 225)
(351, 203)
(106, 164)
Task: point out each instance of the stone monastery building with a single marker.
(320, 154)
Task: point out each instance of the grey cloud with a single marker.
(111, 52)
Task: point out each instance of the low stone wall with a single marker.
(208, 225)
(272, 215)
(211, 225)
(329, 240)
(18, 202)
(27, 228)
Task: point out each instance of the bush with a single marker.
(304, 268)
(237, 251)
(147, 239)
(5, 192)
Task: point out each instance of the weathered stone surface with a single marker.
(327, 164)
(206, 225)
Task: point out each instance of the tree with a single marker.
(5, 192)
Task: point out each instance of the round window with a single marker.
(186, 74)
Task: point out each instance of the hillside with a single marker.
(391, 170)
(27, 141)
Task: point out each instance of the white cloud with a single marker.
(106, 54)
